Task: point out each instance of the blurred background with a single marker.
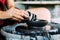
(52, 5)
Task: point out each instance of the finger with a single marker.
(18, 17)
(26, 16)
(19, 13)
(22, 13)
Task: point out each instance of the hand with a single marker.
(17, 14)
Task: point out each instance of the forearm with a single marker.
(10, 3)
(5, 14)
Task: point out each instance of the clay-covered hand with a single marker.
(16, 14)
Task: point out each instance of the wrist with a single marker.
(4, 15)
(11, 7)
(7, 15)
